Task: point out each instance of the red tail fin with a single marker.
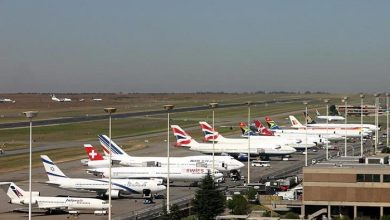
(262, 129)
(92, 153)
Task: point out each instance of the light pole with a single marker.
(387, 119)
(376, 120)
(110, 111)
(30, 115)
(168, 108)
(305, 103)
(345, 100)
(327, 124)
(361, 124)
(213, 105)
(248, 103)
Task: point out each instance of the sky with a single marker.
(194, 46)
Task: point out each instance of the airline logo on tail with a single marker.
(92, 153)
(16, 191)
(317, 112)
(105, 142)
(271, 124)
(263, 130)
(294, 122)
(245, 130)
(308, 118)
(208, 131)
(53, 172)
(182, 138)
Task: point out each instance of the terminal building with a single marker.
(356, 188)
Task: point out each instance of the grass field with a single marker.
(141, 127)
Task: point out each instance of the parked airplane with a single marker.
(7, 100)
(221, 163)
(119, 187)
(50, 203)
(54, 98)
(176, 173)
(327, 134)
(329, 117)
(369, 128)
(291, 141)
(311, 139)
(340, 130)
(235, 149)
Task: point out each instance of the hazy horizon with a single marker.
(194, 46)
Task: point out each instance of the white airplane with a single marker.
(329, 135)
(97, 99)
(7, 100)
(50, 203)
(221, 163)
(292, 141)
(349, 131)
(119, 187)
(176, 173)
(311, 138)
(329, 117)
(54, 98)
(369, 128)
(234, 149)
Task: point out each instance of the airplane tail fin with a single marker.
(271, 124)
(294, 122)
(115, 149)
(53, 172)
(308, 118)
(318, 113)
(13, 191)
(182, 138)
(262, 129)
(244, 128)
(208, 131)
(92, 152)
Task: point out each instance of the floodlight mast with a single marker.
(110, 111)
(168, 108)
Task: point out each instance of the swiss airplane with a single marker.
(221, 163)
(54, 98)
(51, 203)
(210, 133)
(235, 149)
(119, 187)
(176, 173)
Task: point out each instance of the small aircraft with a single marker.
(7, 100)
(119, 187)
(54, 98)
(51, 203)
(329, 117)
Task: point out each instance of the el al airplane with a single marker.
(329, 135)
(329, 117)
(119, 187)
(54, 98)
(210, 134)
(235, 149)
(368, 128)
(342, 130)
(221, 163)
(50, 203)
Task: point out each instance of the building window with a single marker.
(369, 178)
(386, 178)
